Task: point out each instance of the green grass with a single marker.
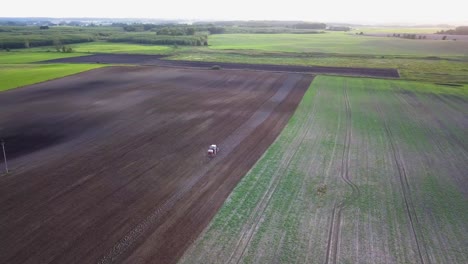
(17, 75)
(22, 57)
(18, 68)
(293, 226)
(337, 42)
(106, 47)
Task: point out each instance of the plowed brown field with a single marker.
(110, 165)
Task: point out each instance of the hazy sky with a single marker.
(389, 11)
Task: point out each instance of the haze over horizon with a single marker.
(357, 11)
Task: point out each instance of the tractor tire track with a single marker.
(414, 223)
(327, 173)
(335, 223)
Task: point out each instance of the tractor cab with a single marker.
(213, 150)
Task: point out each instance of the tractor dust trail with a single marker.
(414, 222)
(335, 224)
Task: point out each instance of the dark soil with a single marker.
(110, 165)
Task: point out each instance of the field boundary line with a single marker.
(263, 204)
(241, 132)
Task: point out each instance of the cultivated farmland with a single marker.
(337, 43)
(110, 165)
(366, 171)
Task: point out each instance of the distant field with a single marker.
(337, 42)
(421, 60)
(108, 47)
(429, 70)
(17, 75)
(18, 69)
(391, 30)
(366, 171)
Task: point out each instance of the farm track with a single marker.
(158, 60)
(335, 224)
(137, 186)
(410, 211)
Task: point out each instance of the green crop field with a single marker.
(17, 75)
(366, 171)
(421, 60)
(14, 57)
(338, 42)
(108, 47)
(19, 68)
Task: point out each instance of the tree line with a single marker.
(462, 30)
(36, 36)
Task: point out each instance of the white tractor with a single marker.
(213, 151)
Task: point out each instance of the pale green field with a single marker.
(391, 30)
(338, 43)
(108, 47)
(375, 167)
(18, 69)
(18, 75)
(26, 56)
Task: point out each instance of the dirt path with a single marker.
(110, 166)
(158, 61)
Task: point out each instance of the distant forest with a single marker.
(463, 30)
(27, 33)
